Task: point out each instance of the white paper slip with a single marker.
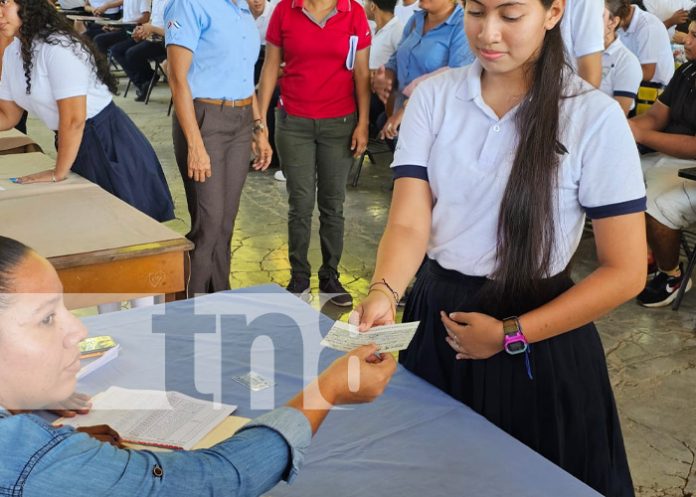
(389, 338)
(253, 381)
(92, 364)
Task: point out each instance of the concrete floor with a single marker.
(651, 353)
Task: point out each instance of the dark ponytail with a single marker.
(12, 253)
(526, 225)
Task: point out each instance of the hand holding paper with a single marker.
(389, 338)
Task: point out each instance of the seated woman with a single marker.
(432, 39)
(621, 71)
(39, 358)
(66, 82)
(646, 36)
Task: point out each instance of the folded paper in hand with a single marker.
(389, 338)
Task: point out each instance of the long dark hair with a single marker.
(41, 22)
(526, 226)
(12, 253)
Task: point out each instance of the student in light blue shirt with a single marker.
(212, 47)
(423, 49)
(39, 359)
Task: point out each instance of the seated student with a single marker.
(39, 358)
(669, 127)
(135, 12)
(621, 71)
(673, 13)
(135, 53)
(385, 40)
(101, 8)
(646, 36)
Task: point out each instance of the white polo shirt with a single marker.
(404, 12)
(157, 13)
(452, 139)
(646, 36)
(49, 82)
(71, 4)
(98, 3)
(582, 28)
(263, 20)
(663, 9)
(134, 9)
(384, 42)
(621, 71)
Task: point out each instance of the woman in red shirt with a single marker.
(324, 45)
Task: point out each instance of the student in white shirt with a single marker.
(672, 13)
(134, 12)
(497, 165)
(621, 71)
(68, 86)
(646, 36)
(387, 34)
(582, 30)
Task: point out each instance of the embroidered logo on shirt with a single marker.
(173, 23)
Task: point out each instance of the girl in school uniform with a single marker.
(498, 164)
(621, 71)
(52, 72)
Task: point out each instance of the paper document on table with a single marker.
(389, 338)
(148, 417)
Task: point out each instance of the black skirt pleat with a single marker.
(567, 412)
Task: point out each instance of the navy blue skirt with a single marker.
(566, 412)
(115, 154)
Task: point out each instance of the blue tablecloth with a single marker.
(413, 441)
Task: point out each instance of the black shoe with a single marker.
(140, 94)
(333, 287)
(662, 289)
(299, 285)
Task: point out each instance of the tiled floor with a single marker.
(651, 353)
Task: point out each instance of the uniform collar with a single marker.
(634, 20)
(470, 87)
(614, 47)
(390, 24)
(341, 5)
(456, 17)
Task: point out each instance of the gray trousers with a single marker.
(316, 158)
(213, 205)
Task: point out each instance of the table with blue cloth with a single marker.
(413, 441)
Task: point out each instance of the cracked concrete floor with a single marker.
(651, 353)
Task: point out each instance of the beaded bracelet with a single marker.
(395, 294)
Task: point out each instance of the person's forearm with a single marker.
(315, 402)
(143, 19)
(363, 92)
(185, 113)
(400, 254)
(645, 121)
(267, 84)
(9, 117)
(590, 68)
(111, 5)
(69, 139)
(681, 146)
(602, 291)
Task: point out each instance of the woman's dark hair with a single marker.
(42, 22)
(526, 225)
(618, 8)
(385, 5)
(12, 253)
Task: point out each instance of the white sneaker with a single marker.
(279, 176)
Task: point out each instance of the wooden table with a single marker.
(103, 249)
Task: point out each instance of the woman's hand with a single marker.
(262, 150)
(47, 176)
(376, 309)
(382, 83)
(358, 143)
(103, 433)
(391, 127)
(357, 377)
(473, 335)
(199, 163)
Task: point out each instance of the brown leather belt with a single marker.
(244, 102)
